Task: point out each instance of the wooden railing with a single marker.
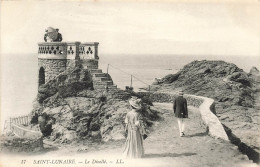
(21, 120)
(18, 126)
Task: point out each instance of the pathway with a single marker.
(164, 147)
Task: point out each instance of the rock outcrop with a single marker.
(70, 108)
(233, 90)
(254, 71)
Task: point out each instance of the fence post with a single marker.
(27, 120)
(131, 81)
(10, 123)
(107, 68)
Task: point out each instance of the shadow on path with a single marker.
(197, 134)
(168, 155)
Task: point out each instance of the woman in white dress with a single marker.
(135, 131)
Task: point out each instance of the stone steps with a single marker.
(113, 87)
(94, 71)
(103, 82)
(101, 79)
(92, 67)
(99, 74)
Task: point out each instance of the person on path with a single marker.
(135, 131)
(181, 111)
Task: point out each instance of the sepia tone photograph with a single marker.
(130, 83)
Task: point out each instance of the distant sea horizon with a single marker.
(19, 75)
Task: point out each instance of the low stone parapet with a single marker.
(206, 107)
(25, 133)
(20, 139)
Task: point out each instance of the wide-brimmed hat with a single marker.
(51, 29)
(181, 92)
(135, 102)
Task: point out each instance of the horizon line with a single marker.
(150, 54)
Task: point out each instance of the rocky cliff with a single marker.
(68, 109)
(235, 93)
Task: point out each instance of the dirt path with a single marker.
(195, 149)
(164, 146)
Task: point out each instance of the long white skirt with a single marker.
(134, 144)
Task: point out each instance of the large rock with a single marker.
(70, 109)
(219, 80)
(79, 103)
(240, 77)
(67, 84)
(236, 93)
(254, 71)
(170, 78)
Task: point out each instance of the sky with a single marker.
(191, 28)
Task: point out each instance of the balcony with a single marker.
(67, 50)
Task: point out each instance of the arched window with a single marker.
(41, 76)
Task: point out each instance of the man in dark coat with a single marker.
(180, 111)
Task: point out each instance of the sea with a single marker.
(19, 75)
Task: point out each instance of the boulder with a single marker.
(67, 84)
(240, 77)
(170, 78)
(254, 71)
(69, 136)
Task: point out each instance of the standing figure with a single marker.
(181, 111)
(52, 35)
(135, 131)
(59, 36)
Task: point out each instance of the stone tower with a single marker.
(56, 57)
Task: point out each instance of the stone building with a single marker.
(56, 57)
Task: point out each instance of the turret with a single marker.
(56, 57)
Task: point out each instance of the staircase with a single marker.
(101, 80)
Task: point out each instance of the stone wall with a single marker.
(89, 63)
(52, 67)
(206, 107)
(169, 98)
(72, 63)
(56, 57)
